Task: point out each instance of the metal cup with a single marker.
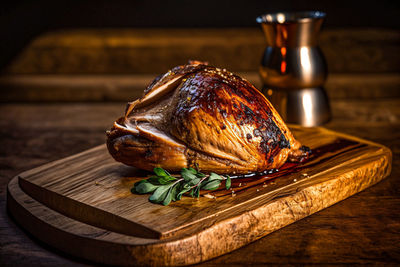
(293, 68)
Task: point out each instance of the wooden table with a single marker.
(363, 86)
(363, 229)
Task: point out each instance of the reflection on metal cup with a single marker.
(293, 68)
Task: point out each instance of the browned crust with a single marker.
(220, 121)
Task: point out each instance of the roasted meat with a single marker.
(204, 117)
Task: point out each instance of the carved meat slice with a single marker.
(204, 117)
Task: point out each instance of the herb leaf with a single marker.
(160, 194)
(144, 188)
(211, 185)
(192, 170)
(228, 182)
(214, 176)
(170, 195)
(166, 188)
(161, 179)
(188, 174)
(141, 181)
(161, 172)
(179, 195)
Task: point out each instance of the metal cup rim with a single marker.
(290, 17)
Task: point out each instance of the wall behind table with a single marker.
(103, 50)
(141, 51)
(21, 21)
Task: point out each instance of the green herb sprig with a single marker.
(166, 188)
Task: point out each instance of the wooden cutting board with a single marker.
(83, 205)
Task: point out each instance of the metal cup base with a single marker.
(308, 107)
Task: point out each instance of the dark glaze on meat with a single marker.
(197, 115)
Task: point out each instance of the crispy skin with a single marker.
(201, 116)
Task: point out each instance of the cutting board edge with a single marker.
(160, 253)
(75, 212)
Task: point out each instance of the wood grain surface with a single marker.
(97, 196)
(364, 229)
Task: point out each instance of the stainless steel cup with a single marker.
(293, 68)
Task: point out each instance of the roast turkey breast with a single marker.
(203, 117)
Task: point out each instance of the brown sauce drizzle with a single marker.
(241, 182)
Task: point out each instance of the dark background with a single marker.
(60, 99)
(20, 21)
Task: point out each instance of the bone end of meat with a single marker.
(201, 116)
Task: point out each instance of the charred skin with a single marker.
(205, 117)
